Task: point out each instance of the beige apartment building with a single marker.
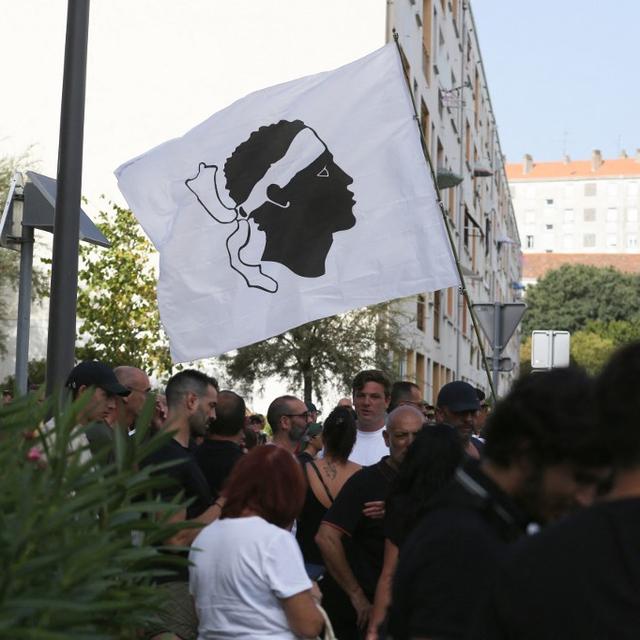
(443, 64)
(577, 212)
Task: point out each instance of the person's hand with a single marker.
(362, 606)
(374, 509)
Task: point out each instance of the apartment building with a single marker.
(577, 212)
(443, 64)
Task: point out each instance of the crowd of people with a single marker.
(393, 518)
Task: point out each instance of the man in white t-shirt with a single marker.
(371, 395)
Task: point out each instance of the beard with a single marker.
(296, 433)
(198, 423)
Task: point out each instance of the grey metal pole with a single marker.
(497, 347)
(24, 309)
(64, 270)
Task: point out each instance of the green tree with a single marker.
(316, 353)
(569, 297)
(590, 350)
(618, 331)
(117, 304)
(35, 374)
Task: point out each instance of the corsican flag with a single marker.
(298, 202)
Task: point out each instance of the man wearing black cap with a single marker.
(96, 376)
(458, 405)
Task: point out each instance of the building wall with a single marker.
(577, 208)
(444, 68)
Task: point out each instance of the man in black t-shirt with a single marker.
(221, 448)
(540, 461)
(191, 400)
(352, 542)
(581, 577)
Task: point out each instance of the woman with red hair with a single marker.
(247, 576)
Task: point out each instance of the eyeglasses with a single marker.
(304, 415)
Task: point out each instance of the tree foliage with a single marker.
(328, 350)
(80, 539)
(117, 298)
(590, 350)
(569, 297)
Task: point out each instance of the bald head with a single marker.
(137, 381)
(403, 424)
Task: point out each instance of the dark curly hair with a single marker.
(550, 417)
(339, 433)
(251, 159)
(618, 400)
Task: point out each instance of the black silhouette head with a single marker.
(299, 212)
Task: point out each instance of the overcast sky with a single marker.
(561, 74)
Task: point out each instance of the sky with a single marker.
(562, 75)
(560, 72)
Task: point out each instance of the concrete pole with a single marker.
(24, 310)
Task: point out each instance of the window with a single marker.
(424, 122)
(612, 189)
(612, 240)
(420, 311)
(632, 241)
(436, 315)
(589, 215)
(632, 215)
(465, 322)
(548, 227)
(487, 236)
(549, 201)
(590, 189)
(632, 189)
(589, 240)
(567, 241)
(612, 214)
(530, 242)
(420, 371)
(568, 215)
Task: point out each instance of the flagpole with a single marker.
(463, 285)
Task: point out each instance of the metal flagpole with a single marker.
(64, 270)
(463, 285)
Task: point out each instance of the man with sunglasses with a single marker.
(128, 408)
(288, 417)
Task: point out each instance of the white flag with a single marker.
(298, 202)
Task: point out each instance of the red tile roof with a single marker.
(535, 265)
(577, 169)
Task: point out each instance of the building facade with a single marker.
(443, 65)
(577, 212)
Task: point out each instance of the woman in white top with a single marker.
(248, 578)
